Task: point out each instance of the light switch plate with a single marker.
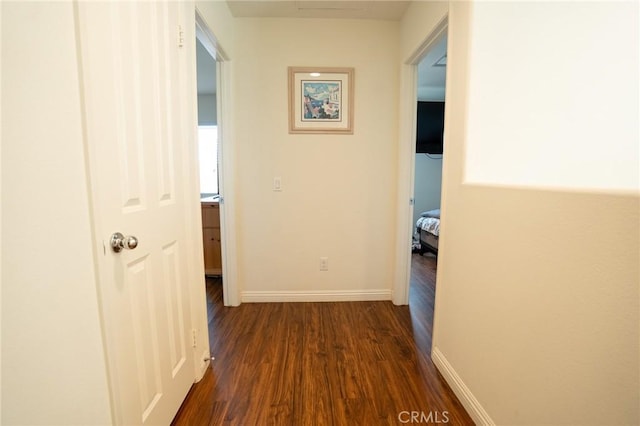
(324, 263)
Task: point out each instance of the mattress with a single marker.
(429, 224)
(427, 231)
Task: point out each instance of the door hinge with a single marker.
(180, 36)
(194, 334)
(412, 201)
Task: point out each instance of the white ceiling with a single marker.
(431, 78)
(332, 9)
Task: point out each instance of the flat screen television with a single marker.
(430, 127)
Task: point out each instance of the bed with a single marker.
(428, 232)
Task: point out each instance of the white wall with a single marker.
(579, 122)
(53, 366)
(207, 110)
(536, 311)
(206, 81)
(337, 190)
(1, 221)
(220, 22)
(428, 184)
(418, 21)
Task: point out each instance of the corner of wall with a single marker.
(458, 386)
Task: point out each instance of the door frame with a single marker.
(407, 163)
(226, 156)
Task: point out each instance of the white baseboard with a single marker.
(467, 399)
(315, 296)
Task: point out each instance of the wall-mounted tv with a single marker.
(430, 127)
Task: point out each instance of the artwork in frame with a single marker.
(321, 100)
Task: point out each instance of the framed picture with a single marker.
(321, 100)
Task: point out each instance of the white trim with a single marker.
(406, 176)
(226, 183)
(196, 280)
(407, 160)
(464, 394)
(226, 158)
(208, 39)
(316, 296)
(438, 32)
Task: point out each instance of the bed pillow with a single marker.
(432, 213)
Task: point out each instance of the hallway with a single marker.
(323, 363)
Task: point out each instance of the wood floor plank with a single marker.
(347, 363)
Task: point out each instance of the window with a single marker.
(208, 153)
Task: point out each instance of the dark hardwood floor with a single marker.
(347, 363)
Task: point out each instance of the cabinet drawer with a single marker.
(212, 255)
(210, 216)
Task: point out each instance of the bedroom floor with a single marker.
(323, 363)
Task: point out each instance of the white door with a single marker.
(137, 128)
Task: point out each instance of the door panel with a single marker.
(136, 140)
(174, 308)
(144, 325)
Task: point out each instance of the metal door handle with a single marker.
(120, 242)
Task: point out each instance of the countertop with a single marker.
(214, 199)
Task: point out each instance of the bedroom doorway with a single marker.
(430, 95)
(431, 66)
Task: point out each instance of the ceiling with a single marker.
(332, 9)
(431, 77)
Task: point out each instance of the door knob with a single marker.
(120, 242)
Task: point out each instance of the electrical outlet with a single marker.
(324, 263)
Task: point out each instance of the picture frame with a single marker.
(321, 100)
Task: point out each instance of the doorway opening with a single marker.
(427, 175)
(216, 179)
(427, 189)
(209, 166)
(208, 161)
